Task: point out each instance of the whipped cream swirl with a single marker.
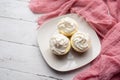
(67, 25)
(81, 41)
(59, 44)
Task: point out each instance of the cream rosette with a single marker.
(80, 41)
(59, 44)
(67, 26)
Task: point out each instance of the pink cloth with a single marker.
(104, 18)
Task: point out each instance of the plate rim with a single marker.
(46, 59)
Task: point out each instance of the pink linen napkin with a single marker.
(104, 17)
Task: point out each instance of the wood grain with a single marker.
(17, 9)
(24, 59)
(18, 31)
(9, 74)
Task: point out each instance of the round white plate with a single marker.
(72, 60)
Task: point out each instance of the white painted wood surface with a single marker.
(20, 57)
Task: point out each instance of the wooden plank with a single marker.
(23, 58)
(18, 31)
(8, 74)
(17, 9)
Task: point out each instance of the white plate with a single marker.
(72, 60)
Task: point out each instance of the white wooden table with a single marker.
(20, 57)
